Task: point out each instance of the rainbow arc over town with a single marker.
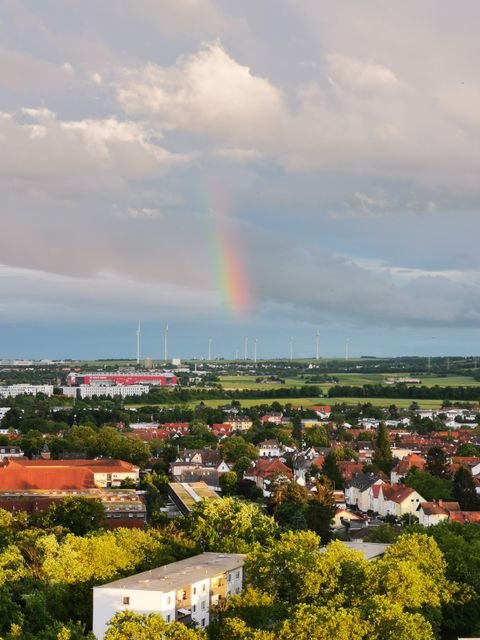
(226, 262)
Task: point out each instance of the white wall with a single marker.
(108, 602)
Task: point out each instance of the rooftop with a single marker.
(177, 575)
(369, 549)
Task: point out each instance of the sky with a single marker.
(261, 170)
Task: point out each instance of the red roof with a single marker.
(407, 463)
(266, 468)
(349, 468)
(16, 478)
(396, 493)
(22, 473)
(465, 517)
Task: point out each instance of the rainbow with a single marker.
(226, 263)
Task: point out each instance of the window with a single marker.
(237, 590)
(203, 605)
(229, 577)
(168, 618)
(203, 587)
(194, 590)
(194, 608)
(169, 600)
(126, 599)
(237, 575)
(203, 622)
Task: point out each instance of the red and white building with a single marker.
(161, 378)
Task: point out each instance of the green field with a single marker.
(308, 402)
(231, 383)
(234, 383)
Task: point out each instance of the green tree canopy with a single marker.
(128, 625)
(383, 453)
(228, 525)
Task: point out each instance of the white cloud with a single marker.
(350, 72)
(208, 93)
(43, 152)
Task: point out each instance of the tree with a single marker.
(77, 514)
(331, 470)
(228, 483)
(383, 454)
(428, 486)
(321, 509)
(241, 465)
(291, 511)
(464, 489)
(287, 568)
(128, 625)
(228, 525)
(236, 447)
(467, 449)
(297, 428)
(316, 437)
(199, 428)
(436, 462)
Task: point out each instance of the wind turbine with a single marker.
(346, 349)
(245, 353)
(317, 346)
(138, 342)
(255, 350)
(291, 347)
(165, 342)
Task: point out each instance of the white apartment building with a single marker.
(14, 390)
(88, 391)
(182, 591)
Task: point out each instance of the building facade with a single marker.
(182, 591)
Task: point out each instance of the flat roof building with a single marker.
(182, 591)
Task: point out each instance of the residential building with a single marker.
(185, 495)
(123, 507)
(270, 449)
(197, 465)
(11, 452)
(265, 471)
(398, 500)
(21, 473)
(182, 591)
(13, 390)
(432, 513)
(400, 470)
(359, 491)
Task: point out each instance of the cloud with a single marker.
(201, 18)
(44, 154)
(362, 118)
(207, 93)
(351, 73)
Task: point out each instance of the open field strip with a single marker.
(402, 403)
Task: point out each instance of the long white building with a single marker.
(14, 390)
(88, 391)
(182, 591)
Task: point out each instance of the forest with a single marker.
(426, 586)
